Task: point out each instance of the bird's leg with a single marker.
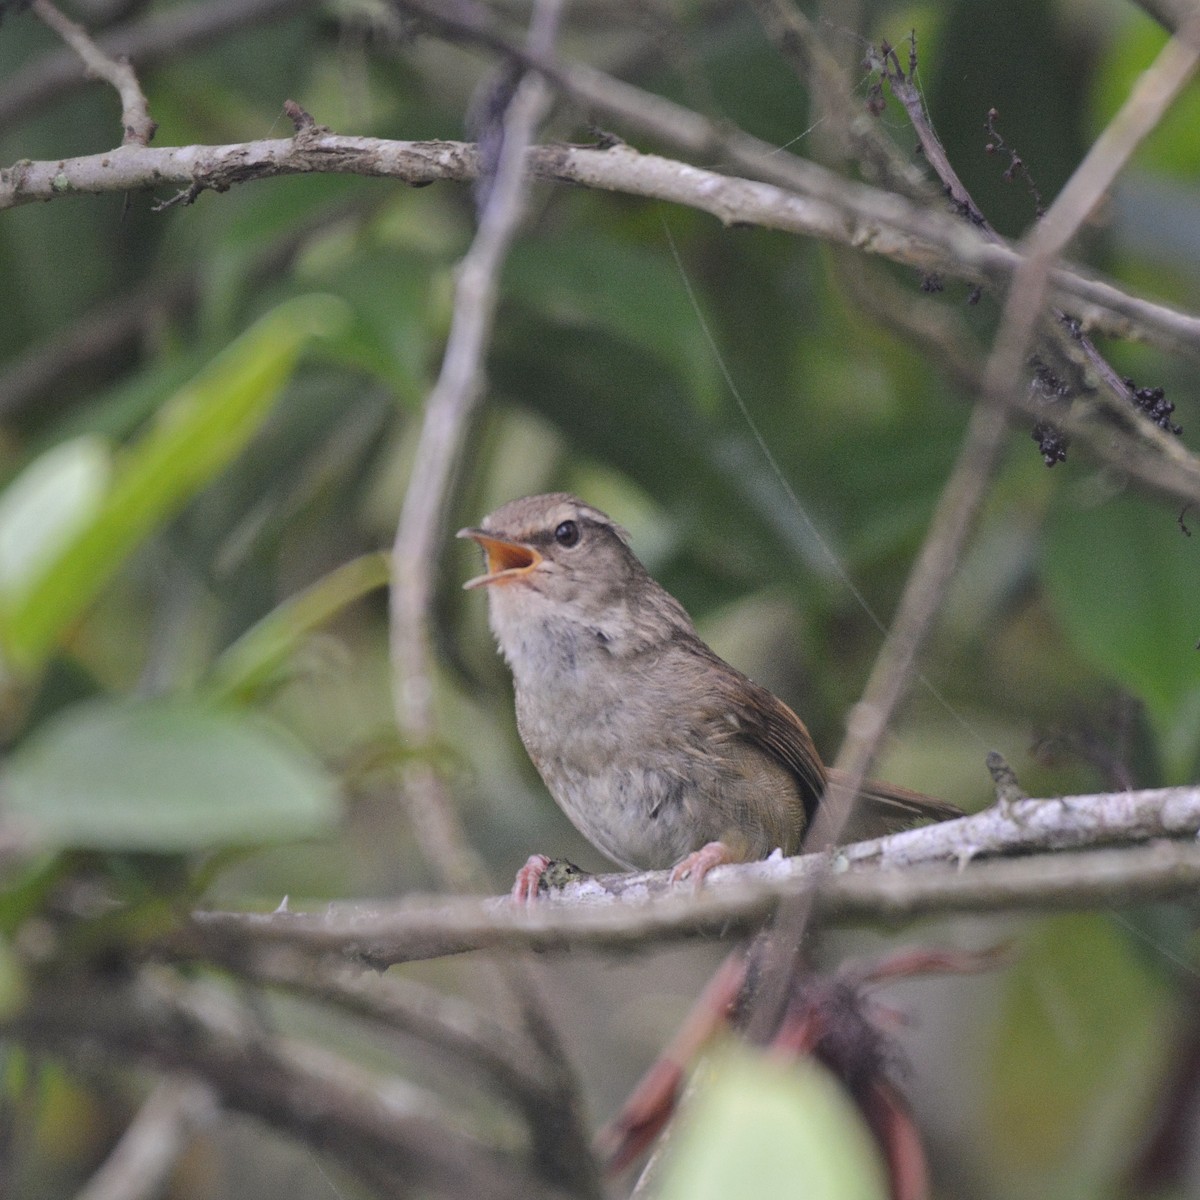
(541, 871)
(529, 877)
(700, 862)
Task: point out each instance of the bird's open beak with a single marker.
(506, 561)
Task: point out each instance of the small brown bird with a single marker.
(660, 752)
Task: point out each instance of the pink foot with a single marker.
(525, 886)
(700, 862)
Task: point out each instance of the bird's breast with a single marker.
(623, 770)
(637, 754)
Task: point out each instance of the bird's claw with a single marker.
(529, 879)
(700, 862)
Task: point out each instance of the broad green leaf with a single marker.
(1078, 1045)
(256, 657)
(195, 435)
(46, 505)
(760, 1128)
(162, 776)
(1125, 582)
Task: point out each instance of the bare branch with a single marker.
(446, 1023)
(368, 1124)
(448, 411)
(560, 1141)
(135, 113)
(624, 922)
(863, 218)
(159, 38)
(141, 1162)
(919, 872)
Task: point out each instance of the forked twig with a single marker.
(135, 112)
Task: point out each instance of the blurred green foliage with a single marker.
(755, 1127)
(194, 644)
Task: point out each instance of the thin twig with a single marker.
(924, 593)
(158, 38)
(366, 1123)
(445, 1023)
(962, 498)
(140, 1163)
(448, 412)
(135, 112)
(796, 39)
(560, 1142)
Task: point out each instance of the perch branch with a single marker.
(948, 867)
(621, 922)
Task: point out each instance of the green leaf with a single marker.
(161, 776)
(1125, 583)
(197, 433)
(766, 1129)
(256, 657)
(46, 505)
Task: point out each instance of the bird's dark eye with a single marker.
(567, 534)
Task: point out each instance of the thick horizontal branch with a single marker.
(845, 212)
(918, 873)
(1023, 826)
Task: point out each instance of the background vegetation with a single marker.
(208, 420)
